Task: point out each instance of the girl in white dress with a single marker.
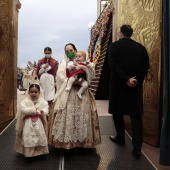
(31, 127)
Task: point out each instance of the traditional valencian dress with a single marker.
(26, 79)
(31, 129)
(34, 77)
(47, 77)
(73, 122)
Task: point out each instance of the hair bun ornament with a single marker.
(34, 83)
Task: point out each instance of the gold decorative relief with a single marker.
(149, 5)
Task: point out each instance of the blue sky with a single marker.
(53, 23)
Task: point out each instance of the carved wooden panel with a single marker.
(8, 61)
(145, 17)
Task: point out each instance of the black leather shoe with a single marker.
(137, 151)
(115, 139)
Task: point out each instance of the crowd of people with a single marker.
(52, 114)
(60, 110)
(27, 76)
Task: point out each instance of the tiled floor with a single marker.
(151, 152)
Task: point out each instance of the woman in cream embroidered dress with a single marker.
(26, 78)
(73, 122)
(31, 127)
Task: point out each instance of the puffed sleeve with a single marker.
(26, 110)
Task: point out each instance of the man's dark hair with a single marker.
(126, 30)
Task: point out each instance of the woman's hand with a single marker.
(46, 65)
(73, 67)
(79, 67)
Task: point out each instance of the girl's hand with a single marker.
(42, 112)
(89, 65)
(33, 114)
(37, 113)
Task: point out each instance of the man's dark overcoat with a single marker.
(127, 59)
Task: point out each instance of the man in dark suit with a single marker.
(129, 64)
